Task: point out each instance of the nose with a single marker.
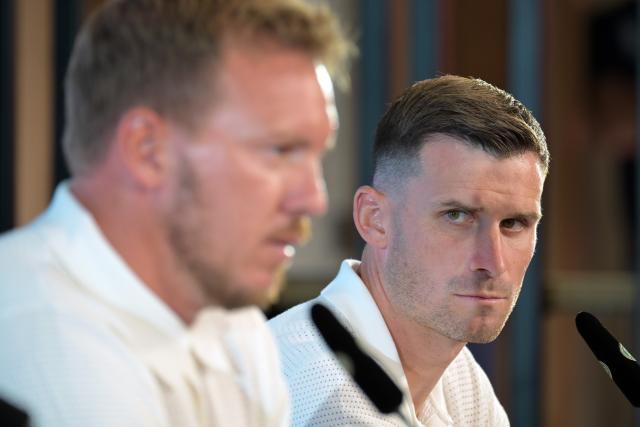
(308, 191)
(488, 254)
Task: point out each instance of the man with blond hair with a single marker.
(195, 132)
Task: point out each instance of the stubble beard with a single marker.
(184, 227)
(406, 290)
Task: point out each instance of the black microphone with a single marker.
(12, 416)
(614, 358)
(370, 377)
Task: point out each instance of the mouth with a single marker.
(284, 241)
(285, 247)
(482, 297)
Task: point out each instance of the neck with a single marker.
(137, 235)
(424, 353)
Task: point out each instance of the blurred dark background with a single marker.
(573, 62)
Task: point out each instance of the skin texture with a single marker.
(209, 216)
(447, 253)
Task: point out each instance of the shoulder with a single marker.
(27, 266)
(64, 359)
(37, 275)
(298, 314)
(294, 328)
(27, 242)
(297, 338)
(21, 248)
(65, 370)
(322, 393)
(38, 293)
(470, 395)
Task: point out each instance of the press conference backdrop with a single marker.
(572, 62)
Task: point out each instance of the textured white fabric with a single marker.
(323, 394)
(83, 342)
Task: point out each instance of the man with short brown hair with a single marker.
(195, 133)
(450, 227)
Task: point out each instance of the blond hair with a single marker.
(162, 54)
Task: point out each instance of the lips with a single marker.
(289, 239)
(284, 240)
(287, 248)
(293, 236)
(292, 239)
(482, 298)
(284, 246)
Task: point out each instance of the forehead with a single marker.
(268, 91)
(453, 170)
(266, 75)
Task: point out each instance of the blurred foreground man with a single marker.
(195, 133)
(450, 228)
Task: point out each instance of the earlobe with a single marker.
(370, 214)
(140, 138)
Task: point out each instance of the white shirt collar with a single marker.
(87, 255)
(349, 297)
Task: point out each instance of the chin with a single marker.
(274, 289)
(484, 334)
(263, 291)
(483, 338)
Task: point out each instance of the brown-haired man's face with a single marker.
(463, 234)
(250, 177)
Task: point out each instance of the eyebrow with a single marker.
(451, 203)
(302, 142)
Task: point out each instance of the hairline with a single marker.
(411, 162)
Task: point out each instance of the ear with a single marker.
(141, 144)
(371, 216)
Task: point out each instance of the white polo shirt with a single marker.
(323, 394)
(83, 342)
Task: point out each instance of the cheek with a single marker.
(240, 187)
(446, 252)
(520, 260)
(432, 257)
(253, 178)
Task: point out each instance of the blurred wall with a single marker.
(587, 81)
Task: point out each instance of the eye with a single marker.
(281, 150)
(457, 216)
(285, 150)
(514, 224)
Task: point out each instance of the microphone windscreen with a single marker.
(370, 377)
(615, 359)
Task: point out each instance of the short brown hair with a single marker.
(469, 109)
(160, 53)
